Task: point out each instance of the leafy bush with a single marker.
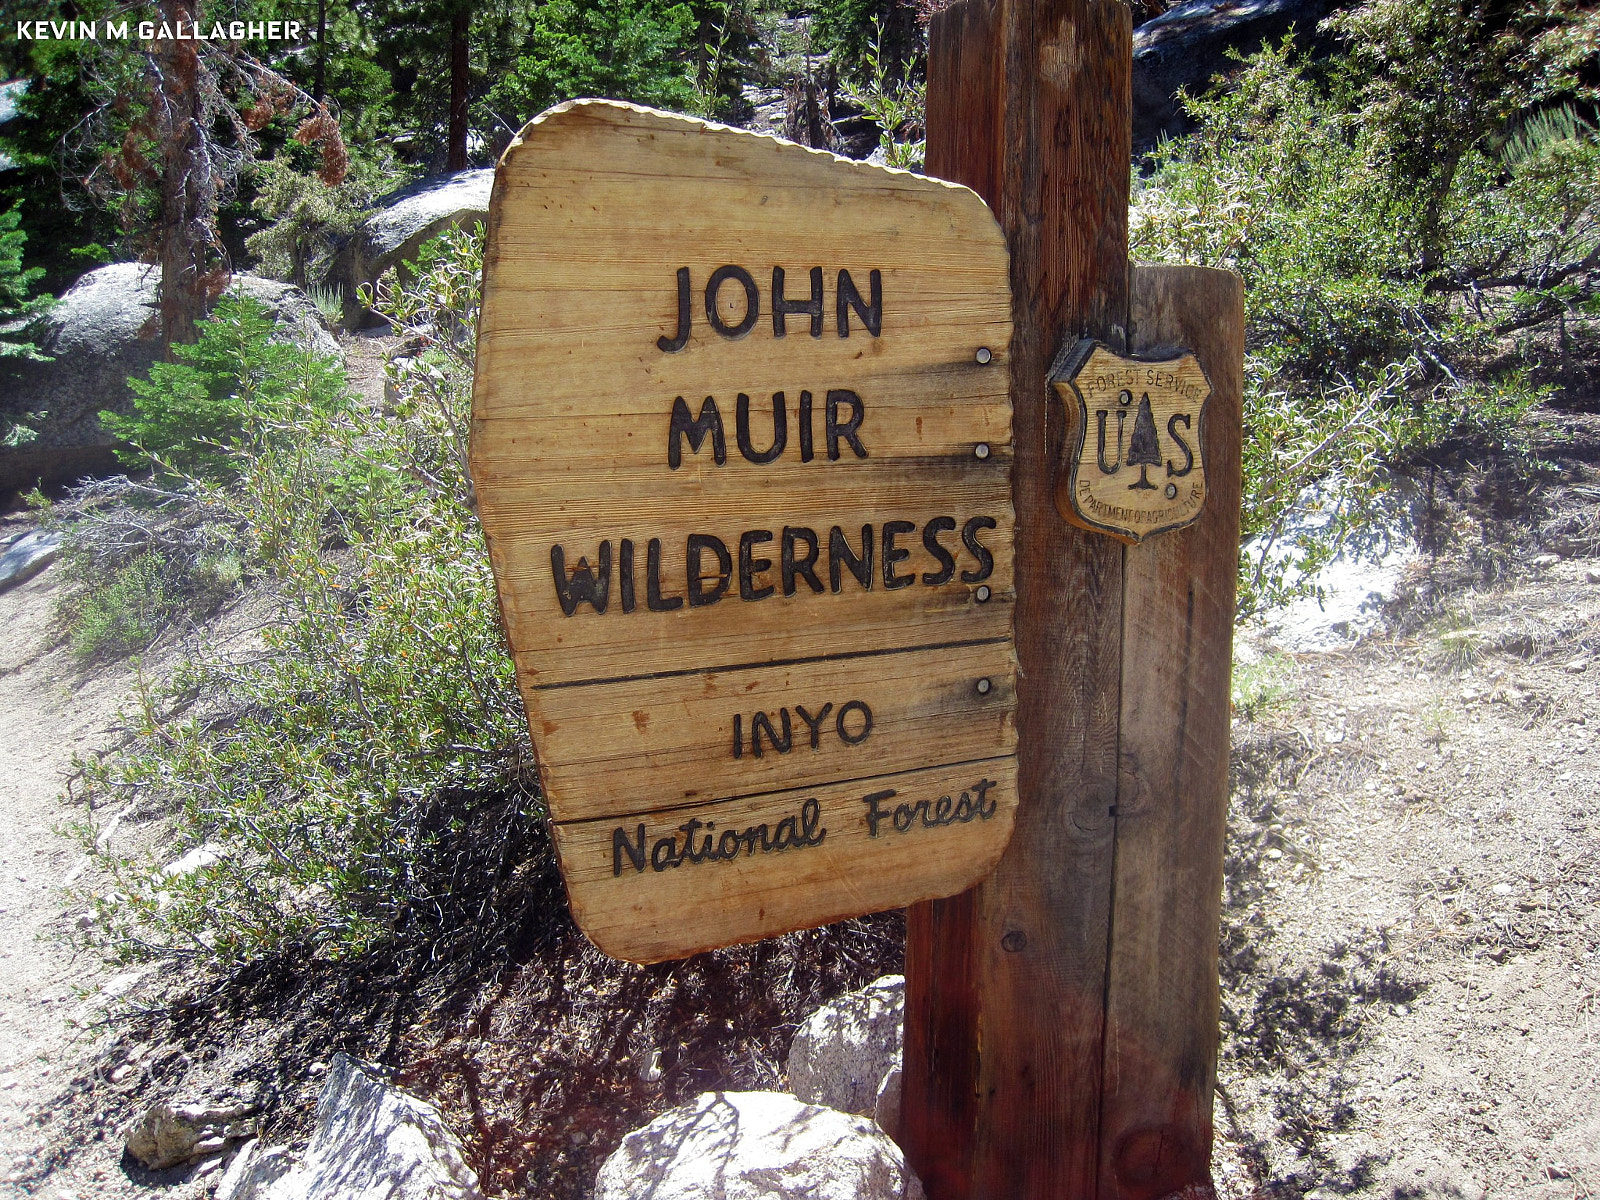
(380, 707)
(125, 612)
(234, 390)
(308, 219)
(635, 50)
(17, 307)
(1376, 306)
(895, 106)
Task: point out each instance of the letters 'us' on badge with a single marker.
(1134, 463)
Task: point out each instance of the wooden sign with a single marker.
(1136, 467)
(741, 445)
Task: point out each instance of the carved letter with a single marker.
(807, 453)
(752, 301)
(654, 600)
(781, 307)
(780, 430)
(619, 843)
(1172, 432)
(980, 552)
(892, 554)
(834, 430)
(750, 566)
(814, 723)
(930, 543)
(695, 430)
(871, 313)
(625, 575)
(761, 721)
(673, 345)
(583, 585)
(866, 723)
(699, 595)
(801, 568)
(840, 554)
(874, 813)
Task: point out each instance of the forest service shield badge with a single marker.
(1135, 464)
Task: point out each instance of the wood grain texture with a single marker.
(1029, 105)
(1172, 801)
(703, 508)
(649, 914)
(641, 738)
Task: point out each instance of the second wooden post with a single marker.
(1062, 1017)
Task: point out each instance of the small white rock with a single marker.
(756, 1146)
(198, 858)
(842, 1051)
(650, 1072)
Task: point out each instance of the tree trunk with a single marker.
(319, 83)
(185, 237)
(456, 158)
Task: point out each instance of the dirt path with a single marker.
(1413, 910)
(49, 711)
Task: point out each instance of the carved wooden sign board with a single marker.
(741, 445)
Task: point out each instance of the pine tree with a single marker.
(16, 284)
(1144, 449)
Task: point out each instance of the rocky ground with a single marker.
(1410, 941)
(1412, 937)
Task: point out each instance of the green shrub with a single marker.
(17, 303)
(124, 613)
(895, 105)
(307, 218)
(17, 307)
(380, 709)
(234, 386)
(1373, 314)
(637, 50)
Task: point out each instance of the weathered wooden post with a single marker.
(1062, 1016)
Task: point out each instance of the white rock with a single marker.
(201, 856)
(253, 1171)
(887, 1111)
(27, 556)
(95, 336)
(403, 220)
(841, 1054)
(370, 1142)
(756, 1146)
(168, 1134)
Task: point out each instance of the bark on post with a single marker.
(1042, 1061)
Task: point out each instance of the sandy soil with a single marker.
(1412, 920)
(51, 1001)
